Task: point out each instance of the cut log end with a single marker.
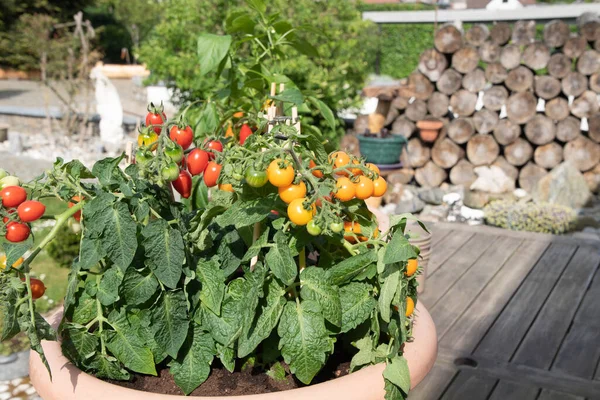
(583, 153)
(463, 103)
(463, 174)
(482, 150)
(460, 130)
(430, 175)
(519, 152)
(530, 175)
(549, 155)
(448, 39)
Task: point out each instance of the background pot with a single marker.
(384, 150)
(429, 129)
(70, 383)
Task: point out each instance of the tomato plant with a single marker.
(255, 178)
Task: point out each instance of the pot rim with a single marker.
(70, 383)
(430, 125)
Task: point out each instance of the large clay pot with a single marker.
(70, 383)
(429, 129)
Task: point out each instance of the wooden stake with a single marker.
(129, 152)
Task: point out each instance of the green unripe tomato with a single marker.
(170, 172)
(174, 152)
(3, 173)
(256, 178)
(313, 228)
(336, 227)
(143, 157)
(9, 181)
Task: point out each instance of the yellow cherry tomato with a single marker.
(411, 267)
(298, 214)
(238, 114)
(15, 265)
(316, 172)
(364, 188)
(226, 187)
(148, 138)
(373, 168)
(410, 306)
(340, 159)
(345, 189)
(229, 131)
(379, 187)
(356, 171)
(292, 192)
(280, 177)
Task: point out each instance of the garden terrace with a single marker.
(517, 315)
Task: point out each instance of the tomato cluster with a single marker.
(17, 212)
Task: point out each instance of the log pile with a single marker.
(507, 98)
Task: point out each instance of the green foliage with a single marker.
(65, 247)
(530, 217)
(402, 45)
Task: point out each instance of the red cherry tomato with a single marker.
(197, 161)
(183, 137)
(76, 199)
(11, 211)
(17, 232)
(211, 175)
(37, 288)
(183, 184)
(244, 133)
(12, 196)
(155, 120)
(31, 210)
(213, 145)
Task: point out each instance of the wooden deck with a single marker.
(517, 314)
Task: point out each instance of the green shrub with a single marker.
(530, 217)
(65, 247)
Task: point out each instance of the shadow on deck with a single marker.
(517, 314)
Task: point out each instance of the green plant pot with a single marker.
(382, 150)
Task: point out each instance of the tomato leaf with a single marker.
(138, 287)
(211, 50)
(391, 278)
(304, 341)
(258, 5)
(397, 373)
(325, 111)
(108, 172)
(213, 284)
(108, 368)
(246, 213)
(280, 261)
(227, 356)
(119, 238)
(170, 322)
(290, 95)
(317, 286)
(350, 267)
(14, 251)
(108, 289)
(357, 304)
(226, 328)
(78, 344)
(193, 367)
(164, 250)
(398, 249)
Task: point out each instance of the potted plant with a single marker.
(381, 147)
(429, 129)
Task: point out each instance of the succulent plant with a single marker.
(529, 216)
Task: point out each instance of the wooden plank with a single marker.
(444, 249)
(468, 385)
(554, 395)
(434, 383)
(438, 235)
(510, 390)
(467, 332)
(478, 229)
(589, 311)
(505, 334)
(580, 351)
(454, 267)
(541, 343)
(459, 297)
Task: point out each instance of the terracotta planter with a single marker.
(70, 383)
(429, 129)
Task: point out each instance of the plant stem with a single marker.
(100, 317)
(302, 259)
(30, 299)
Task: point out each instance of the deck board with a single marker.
(524, 308)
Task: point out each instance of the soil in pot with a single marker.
(224, 383)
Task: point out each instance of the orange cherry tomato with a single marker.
(3, 262)
(76, 199)
(292, 192)
(410, 306)
(349, 228)
(280, 177)
(345, 189)
(226, 187)
(373, 168)
(379, 187)
(298, 214)
(316, 172)
(364, 188)
(411, 267)
(356, 171)
(37, 288)
(340, 159)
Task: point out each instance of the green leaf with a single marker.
(365, 353)
(90, 252)
(397, 373)
(253, 291)
(392, 392)
(246, 213)
(77, 170)
(231, 252)
(226, 328)
(277, 372)
(193, 368)
(350, 267)
(357, 304)
(72, 287)
(213, 284)
(138, 287)
(36, 330)
(199, 198)
(8, 312)
(108, 172)
(108, 368)
(290, 95)
(164, 250)
(128, 346)
(305, 47)
(212, 49)
(325, 111)
(119, 236)
(78, 344)
(257, 246)
(317, 286)
(398, 249)
(304, 341)
(14, 251)
(242, 23)
(280, 261)
(401, 219)
(227, 357)
(258, 5)
(86, 308)
(170, 322)
(268, 316)
(108, 289)
(391, 278)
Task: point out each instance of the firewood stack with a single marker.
(507, 99)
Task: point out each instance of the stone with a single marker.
(564, 185)
(433, 196)
(413, 205)
(15, 143)
(472, 216)
(476, 199)
(453, 197)
(434, 213)
(492, 180)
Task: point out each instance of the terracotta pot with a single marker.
(70, 383)
(429, 129)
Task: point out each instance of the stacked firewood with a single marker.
(507, 99)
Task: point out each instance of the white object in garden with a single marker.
(108, 106)
(520, 193)
(504, 5)
(503, 112)
(492, 180)
(541, 105)
(479, 103)
(584, 124)
(161, 94)
(451, 198)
